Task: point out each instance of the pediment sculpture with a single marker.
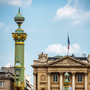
(67, 62)
(42, 57)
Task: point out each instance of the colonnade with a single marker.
(61, 81)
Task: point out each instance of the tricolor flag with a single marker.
(68, 43)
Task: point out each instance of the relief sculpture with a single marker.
(67, 62)
(43, 77)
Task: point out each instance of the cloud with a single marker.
(65, 12)
(73, 12)
(62, 50)
(1, 25)
(17, 2)
(8, 65)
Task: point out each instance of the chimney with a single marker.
(83, 55)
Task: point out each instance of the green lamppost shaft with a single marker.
(19, 37)
(19, 55)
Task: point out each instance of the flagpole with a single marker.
(68, 43)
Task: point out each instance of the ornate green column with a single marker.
(66, 82)
(19, 37)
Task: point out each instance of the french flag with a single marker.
(68, 42)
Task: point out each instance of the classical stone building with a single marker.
(49, 72)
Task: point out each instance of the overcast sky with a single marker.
(46, 23)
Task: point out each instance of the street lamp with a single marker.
(18, 85)
(66, 82)
(17, 68)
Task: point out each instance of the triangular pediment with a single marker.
(67, 61)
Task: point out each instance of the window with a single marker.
(69, 78)
(55, 78)
(1, 83)
(79, 78)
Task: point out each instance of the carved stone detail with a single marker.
(79, 84)
(43, 77)
(55, 83)
(42, 83)
(42, 57)
(68, 62)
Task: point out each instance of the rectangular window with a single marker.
(69, 78)
(1, 83)
(79, 78)
(55, 78)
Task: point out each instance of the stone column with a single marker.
(85, 81)
(34, 81)
(48, 81)
(73, 81)
(61, 81)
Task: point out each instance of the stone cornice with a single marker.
(64, 66)
(6, 78)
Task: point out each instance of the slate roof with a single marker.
(78, 58)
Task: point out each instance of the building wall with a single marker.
(12, 85)
(6, 85)
(42, 78)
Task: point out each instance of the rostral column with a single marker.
(19, 37)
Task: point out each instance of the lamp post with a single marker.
(19, 37)
(18, 85)
(66, 82)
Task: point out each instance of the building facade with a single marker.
(28, 85)
(7, 79)
(49, 72)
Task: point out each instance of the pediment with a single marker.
(67, 61)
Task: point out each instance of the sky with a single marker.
(47, 23)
